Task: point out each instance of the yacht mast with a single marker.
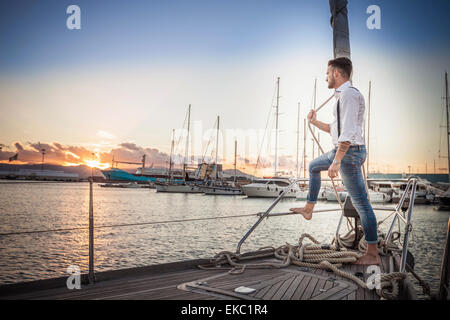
(187, 143)
(339, 23)
(170, 158)
(276, 126)
(217, 146)
(448, 130)
(235, 159)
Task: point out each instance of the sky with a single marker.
(119, 85)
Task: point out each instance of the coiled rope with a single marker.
(310, 255)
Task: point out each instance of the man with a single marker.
(348, 155)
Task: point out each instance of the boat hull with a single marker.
(302, 195)
(331, 196)
(261, 192)
(177, 188)
(221, 191)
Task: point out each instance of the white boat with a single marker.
(302, 194)
(375, 197)
(177, 188)
(221, 190)
(270, 188)
(330, 195)
(423, 194)
(131, 185)
(379, 197)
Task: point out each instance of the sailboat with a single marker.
(272, 187)
(222, 187)
(184, 185)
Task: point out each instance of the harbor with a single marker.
(225, 152)
(136, 239)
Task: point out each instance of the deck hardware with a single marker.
(244, 290)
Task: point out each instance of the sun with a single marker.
(96, 164)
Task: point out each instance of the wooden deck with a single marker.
(184, 281)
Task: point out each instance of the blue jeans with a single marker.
(353, 180)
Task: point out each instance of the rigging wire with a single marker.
(265, 130)
(209, 142)
(127, 224)
(179, 138)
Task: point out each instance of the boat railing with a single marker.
(412, 183)
(405, 217)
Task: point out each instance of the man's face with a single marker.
(330, 77)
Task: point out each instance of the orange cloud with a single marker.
(67, 155)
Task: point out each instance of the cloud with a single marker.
(129, 146)
(105, 135)
(58, 153)
(70, 155)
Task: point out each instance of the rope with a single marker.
(426, 289)
(315, 255)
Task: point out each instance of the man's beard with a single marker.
(331, 82)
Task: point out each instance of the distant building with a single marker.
(43, 175)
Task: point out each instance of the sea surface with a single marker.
(40, 206)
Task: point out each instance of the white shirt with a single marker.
(351, 109)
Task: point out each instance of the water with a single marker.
(44, 206)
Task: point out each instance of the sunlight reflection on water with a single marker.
(43, 206)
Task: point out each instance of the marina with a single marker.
(150, 198)
(135, 248)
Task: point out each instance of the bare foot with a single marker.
(306, 211)
(368, 259)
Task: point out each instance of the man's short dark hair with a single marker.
(344, 65)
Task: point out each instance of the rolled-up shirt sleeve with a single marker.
(349, 108)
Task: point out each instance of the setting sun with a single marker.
(96, 164)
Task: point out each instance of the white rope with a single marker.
(315, 255)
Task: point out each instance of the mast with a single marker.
(276, 126)
(187, 142)
(235, 159)
(170, 158)
(448, 129)
(298, 131)
(339, 23)
(368, 130)
(43, 154)
(217, 146)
